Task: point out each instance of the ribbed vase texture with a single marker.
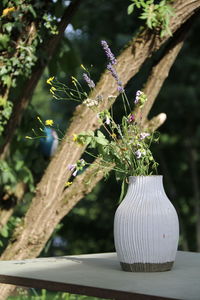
(146, 228)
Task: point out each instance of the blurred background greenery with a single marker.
(88, 228)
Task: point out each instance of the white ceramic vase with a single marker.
(146, 228)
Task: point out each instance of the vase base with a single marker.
(147, 267)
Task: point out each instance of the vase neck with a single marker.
(148, 183)
(145, 179)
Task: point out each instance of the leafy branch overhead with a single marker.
(23, 27)
(156, 15)
(20, 51)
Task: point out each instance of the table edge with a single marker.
(78, 289)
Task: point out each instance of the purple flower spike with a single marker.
(108, 52)
(89, 81)
(112, 61)
(113, 72)
(120, 87)
(115, 75)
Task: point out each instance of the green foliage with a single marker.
(156, 16)
(49, 23)
(4, 40)
(5, 112)
(8, 228)
(24, 25)
(19, 50)
(14, 171)
(126, 146)
(45, 295)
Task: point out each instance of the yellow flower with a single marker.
(28, 137)
(8, 10)
(113, 135)
(68, 183)
(74, 79)
(49, 122)
(50, 79)
(75, 137)
(82, 66)
(52, 89)
(39, 120)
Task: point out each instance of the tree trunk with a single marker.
(48, 205)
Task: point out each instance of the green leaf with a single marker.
(4, 231)
(5, 2)
(4, 39)
(32, 11)
(8, 26)
(101, 141)
(130, 8)
(138, 3)
(122, 191)
(15, 61)
(3, 70)
(19, 165)
(2, 101)
(7, 80)
(100, 134)
(142, 3)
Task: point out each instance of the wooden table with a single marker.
(100, 275)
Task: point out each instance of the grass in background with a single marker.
(33, 294)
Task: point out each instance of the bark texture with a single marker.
(51, 201)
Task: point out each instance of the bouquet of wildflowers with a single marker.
(125, 145)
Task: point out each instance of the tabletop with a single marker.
(100, 275)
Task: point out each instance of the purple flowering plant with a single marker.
(125, 145)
